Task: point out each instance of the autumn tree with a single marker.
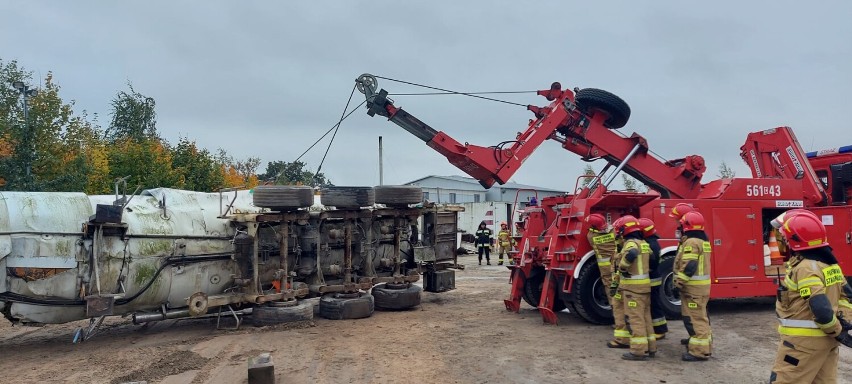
(199, 168)
(238, 173)
(292, 173)
(133, 117)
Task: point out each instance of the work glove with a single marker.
(624, 272)
(844, 337)
(613, 288)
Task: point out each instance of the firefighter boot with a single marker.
(500, 259)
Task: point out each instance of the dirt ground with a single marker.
(461, 336)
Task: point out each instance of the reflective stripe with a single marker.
(790, 331)
(603, 260)
(793, 323)
(638, 340)
(683, 276)
(635, 281)
(699, 280)
(810, 281)
(844, 303)
(659, 321)
(699, 341)
(657, 281)
(689, 256)
(604, 264)
(829, 325)
(791, 284)
(635, 277)
(621, 333)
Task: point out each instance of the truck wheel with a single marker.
(670, 301)
(282, 312)
(348, 197)
(617, 109)
(396, 297)
(282, 197)
(398, 195)
(343, 306)
(533, 286)
(590, 295)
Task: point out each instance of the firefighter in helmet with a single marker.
(635, 288)
(812, 320)
(602, 240)
(505, 242)
(621, 336)
(692, 279)
(658, 317)
(483, 242)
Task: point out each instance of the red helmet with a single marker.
(681, 209)
(596, 221)
(804, 232)
(692, 221)
(626, 225)
(647, 226)
(779, 221)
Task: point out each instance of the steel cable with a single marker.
(447, 91)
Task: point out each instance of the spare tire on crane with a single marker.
(283, 197)
(348, 197)
(398, 195)
(592, 98)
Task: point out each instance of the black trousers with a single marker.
(487, 251)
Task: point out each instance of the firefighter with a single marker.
(505, 242)
(658, 317)
(635, 288)
(810, 329)
(483, 242)
(692, 279)
(621, 336)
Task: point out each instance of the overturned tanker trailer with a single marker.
(167, 254)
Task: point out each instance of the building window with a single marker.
(475, 197)
(425, 196)
(452, 198)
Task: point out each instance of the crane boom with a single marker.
(581, 121)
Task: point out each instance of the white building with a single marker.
(493, 205)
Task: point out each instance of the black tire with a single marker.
(272, 315)
(398, 195)
(533, 286)
(283, 197)
(592, 98)
(589, 295)
(341, 306)
(348, 197)
(404, 297)
(670, 301)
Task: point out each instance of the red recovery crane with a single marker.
(554, 266)
(554, 249)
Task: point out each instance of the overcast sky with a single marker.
(266, 79)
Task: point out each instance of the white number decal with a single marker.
(763, 190)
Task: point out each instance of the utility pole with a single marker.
(26, 92)
(381, 170)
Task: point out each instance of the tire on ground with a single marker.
(272, 315)
(614, 106)
(670, 301)
(282, 197)
(533, 287)
(348, 197)
(404, 297)
(340, 306)
(589, 295)
(398, 195)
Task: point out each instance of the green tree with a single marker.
(133, 116)
(292, 173)
(725, 172)
(198, 167)
(629, 182)
(238, 173)
(148, 162)
(588, 171)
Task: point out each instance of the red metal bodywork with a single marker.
(737, 210)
